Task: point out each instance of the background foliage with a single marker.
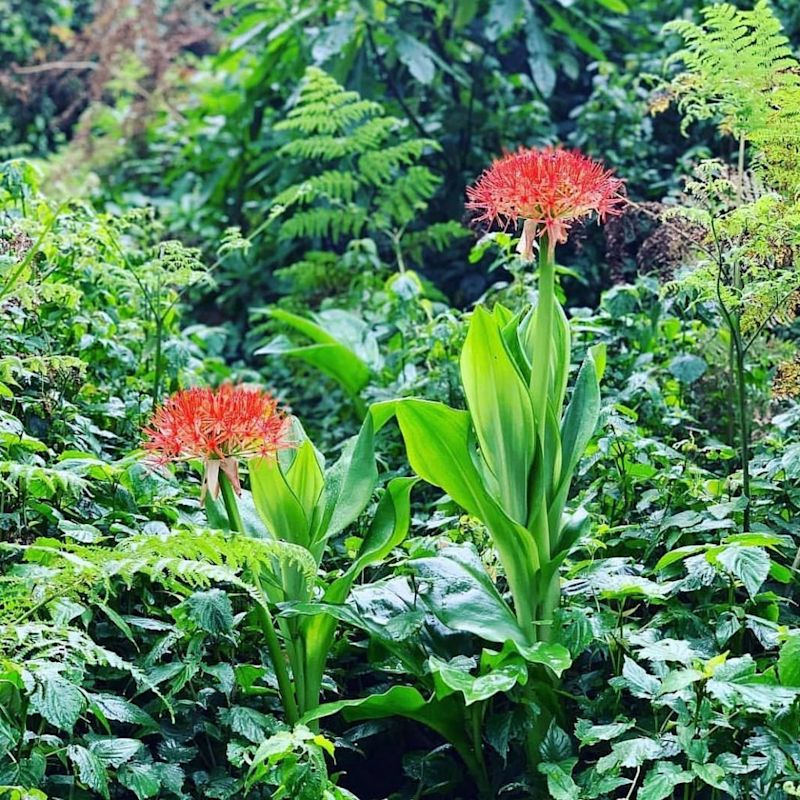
(272, 191)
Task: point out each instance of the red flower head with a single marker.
(219, 426)
(549, 188)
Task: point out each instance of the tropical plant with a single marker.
(301, 505)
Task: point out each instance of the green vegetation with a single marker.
(324, 478)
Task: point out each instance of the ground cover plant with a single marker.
(399, 400)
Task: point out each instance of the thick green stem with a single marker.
(475, 714)
(543, 334)
(551, 598)
(265, 618)
(540, 397)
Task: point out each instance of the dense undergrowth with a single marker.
(518, 518)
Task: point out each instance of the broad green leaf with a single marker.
(455, 586)
(736, 684)
(276, 503)
(580, 421)
(500, 408)
(556, 746)
(57, 700)
(789, 661)
(539, 54)
(560, 785)
(678, 680)
(678, 554)
(552, 655)
(662, 780)
(344, 348)
(712, 774)
(561, 357)
(451, 677)
(589, 734)
(388, 529)
(350, 482)
(249, 722)
(669, 650)
(442, 716)
(638, 681)
(389, 526)
(90, 769)
(81, 532)
(115, 752)
(334, 360)
(305, 478)
(630, 753)
(334, 355)
(688, 368)
(120, 710)
(749, 564)
(418, 57)
(211, 611)
(141, 778)
(438, 444)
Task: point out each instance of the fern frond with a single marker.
(321, 148)
(325, 107)
(404, 199)
(733, 62)
(380, 166)
(331, 184)
(333, 222)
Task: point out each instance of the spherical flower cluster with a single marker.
(219, 427)
(549, 188)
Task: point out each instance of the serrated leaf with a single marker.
(121, 710)
(60, 702)
(91, 771)
(589, 734)
(662, 780)
(211, 611)
(639, 682)
(141, 778)
(749, 564)
(115, 752)
(250, 723)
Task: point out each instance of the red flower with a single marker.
(549, 188)
(219, 426)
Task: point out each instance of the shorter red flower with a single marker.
(549, 188)
(218, 426)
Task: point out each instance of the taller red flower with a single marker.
(218, 426)
(549, 188)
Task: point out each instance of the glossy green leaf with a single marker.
(450, 677)
(440, 451)
(789, 661)
(305, 477)
(455, 586)
(276, 503)
(443, 716)
(90, 769)
(500, 407)
(350, 482)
